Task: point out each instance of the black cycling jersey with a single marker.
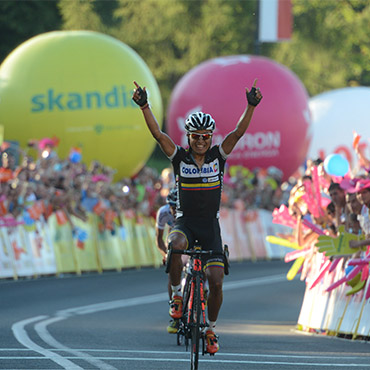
(199, 189)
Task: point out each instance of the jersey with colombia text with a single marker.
(199, 189)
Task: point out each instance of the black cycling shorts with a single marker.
(206, 231)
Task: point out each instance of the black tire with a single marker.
(180, 338)
(168, 263)
(184, 319)
(186, 295)
(195, 318)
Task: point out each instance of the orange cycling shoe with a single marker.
(212, 342)
(176, 307)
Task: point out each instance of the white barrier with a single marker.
(338, 312)
(50, 248)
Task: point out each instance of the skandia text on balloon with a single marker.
(51, 100)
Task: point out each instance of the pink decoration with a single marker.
(281, 216)
(367, 296)
(325, 202)
(316, 184)
(354, 272)
(100, 177)
(324, 183)
(334, 264)
(356, 140)
(344, 279)
(291, 256)
(310, 198)
(9, 222)
(46, 142)
(336, 284)
(359, 261)
(321, 274)
(313, 227)
(365, 273)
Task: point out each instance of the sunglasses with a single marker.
(198, 136)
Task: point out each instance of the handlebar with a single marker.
(199, 253)
(196, 252)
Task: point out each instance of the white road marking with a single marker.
(43, 333)
(216, 360)
(112, 305)
(230, 285)
(365, 355)
(23, 338)
(44, 321)
(221, 354)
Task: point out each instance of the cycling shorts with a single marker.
(207, 232)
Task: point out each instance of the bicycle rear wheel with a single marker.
(195, 324)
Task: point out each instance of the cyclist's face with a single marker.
(200, 141)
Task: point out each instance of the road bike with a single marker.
(193, 320)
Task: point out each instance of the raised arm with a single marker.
(140, 97)
(253, 97)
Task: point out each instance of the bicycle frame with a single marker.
(197, 270)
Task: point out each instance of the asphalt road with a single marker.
(118, 321)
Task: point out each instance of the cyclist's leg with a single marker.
(214, 268)
(215, 275)
(214, 271)
(177, 239)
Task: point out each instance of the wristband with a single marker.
(145, 106)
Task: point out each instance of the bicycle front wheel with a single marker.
(195, 317)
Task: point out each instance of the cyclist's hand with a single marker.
(339, 246)
(164, 260)
(140, 96)
(254, 96)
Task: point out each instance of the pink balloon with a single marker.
(279, 133)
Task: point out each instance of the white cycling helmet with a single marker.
(172, 197)
(200, 121)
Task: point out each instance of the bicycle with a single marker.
(193, 320)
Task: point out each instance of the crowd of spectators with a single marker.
(322, 203)
(68, 184)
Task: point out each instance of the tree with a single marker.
(330, 47)
(174, 36)
(80, 15)
(21, 20)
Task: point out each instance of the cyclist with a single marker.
(199, 175)
(166, 216)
